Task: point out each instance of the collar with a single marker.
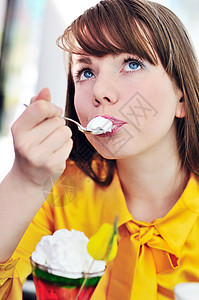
(174, 227)
(150, 248)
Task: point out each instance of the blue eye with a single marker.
(84, 74)
(134, 65)
(87, 74)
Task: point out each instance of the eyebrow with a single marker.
(84, 60)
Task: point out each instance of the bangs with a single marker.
(109, 27)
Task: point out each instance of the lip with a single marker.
(117, 124)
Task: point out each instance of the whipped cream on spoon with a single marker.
(100, 125)
(96, 126)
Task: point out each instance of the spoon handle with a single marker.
(69, 119)
(80, 127)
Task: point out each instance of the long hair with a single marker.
(148, 30)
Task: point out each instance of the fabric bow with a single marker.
(146, 255)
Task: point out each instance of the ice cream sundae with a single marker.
(60, 263)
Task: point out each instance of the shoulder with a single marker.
(76, 176)
(75, 188)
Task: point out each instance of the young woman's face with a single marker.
(131, 90)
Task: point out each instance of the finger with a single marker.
(44, 94)
(37, 112)
(54, 141)
(60, 156)
(52, 160)
(42, 131)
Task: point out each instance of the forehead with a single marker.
(78, 61)
(87, 59)
(140, 44)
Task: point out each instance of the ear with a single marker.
(180, 109)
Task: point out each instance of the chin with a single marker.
(114, 147)
(111, 153)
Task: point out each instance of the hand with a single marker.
(42, 142)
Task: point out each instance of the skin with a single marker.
(105, 86)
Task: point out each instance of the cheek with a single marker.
(83, 102)
(150, 112)
(81, 110)
(162, 96)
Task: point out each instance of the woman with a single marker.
(131, 62)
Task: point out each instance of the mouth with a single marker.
(117, 124)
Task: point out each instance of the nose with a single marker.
(105, 91)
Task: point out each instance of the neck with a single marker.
(152, 184)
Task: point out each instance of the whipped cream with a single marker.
(99, 125)
(65, 253)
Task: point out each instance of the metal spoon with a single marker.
(80, 127)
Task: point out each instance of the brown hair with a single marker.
(119, 26)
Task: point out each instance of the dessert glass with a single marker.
(53, 287)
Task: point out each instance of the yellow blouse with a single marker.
(152, 257)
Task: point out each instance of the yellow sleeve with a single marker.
(6, 280)
(74, 202)
(49, 218)
(14, 272)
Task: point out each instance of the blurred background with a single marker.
(31, 60)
